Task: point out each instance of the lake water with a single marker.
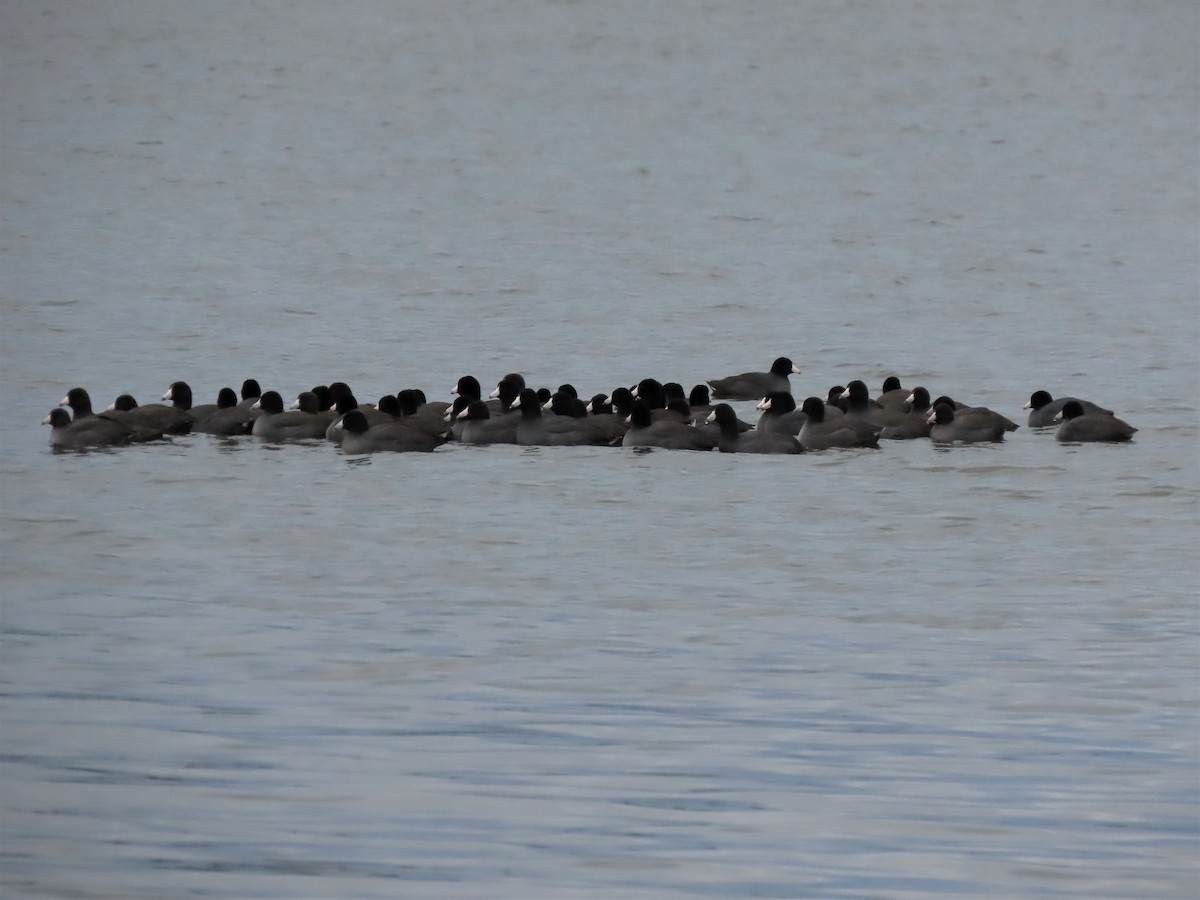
(233, 669)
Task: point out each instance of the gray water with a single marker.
(233, 669)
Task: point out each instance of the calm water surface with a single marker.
(235, 669)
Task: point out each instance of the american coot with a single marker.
(230, 418)
(918, 401)
(859, 403)
(651, 392)
(536, 430)
(601, 428)
(896, 422)
(700, 402)
(824, 433)
(965, 426)
(417, 412)
(80, 403)
(892, 395)
(902, 425)
(562, 403)
(363, 437)
(153, 416)
(779, 414)
(1077, 424)
(507, 390)
(670, 435)
(468, 386)
(755, 385)
(276, 425)
(250, 393)
(977, 415)
(346, 401)
(599, 405)
(180, 395)
(732, 440)
(1044, 409)
(89, 431)
(480, 427)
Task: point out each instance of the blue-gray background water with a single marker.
(233, 669)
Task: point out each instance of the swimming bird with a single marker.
(1044, 409)
(859, 403)
(732, 440)
(1077, 424)
(951, 426)
(892, 395)
(480, 427)
(250, 393)
(88, 431)
(536, 430)
(156, 417)
(824, 433)
(362, 437)
(274, 424)
(229, 418)
(779, 414)
(755, 385)
(666, 433)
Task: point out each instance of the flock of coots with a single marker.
(651, 414)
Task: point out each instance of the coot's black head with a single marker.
(271, 402)
(779, 402)
(639, 415)
(814, 408)
(529, 403)
(389, 405)
(407, 401)
(459, 406)
(476, 411)
(180, 395)
(1038, 399)
(569, 390)
(891, 383)
(1072, 409)
(918, 400)
(79, 401)
(622, 401)
(674, 391)
(325, 398)
(600, 405)
(507, 390)
(563, 404)
(651, 392)
(725, 417)
(250, 389)
(858, 394)
(58, 418)
(783, 366)
(699, 396)
(307, 402)
(943, 413)
(834, 397)
(468, 386)
(354, 421)
(125, 403)
(226, 398)
(345, 402)
(945, 401)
